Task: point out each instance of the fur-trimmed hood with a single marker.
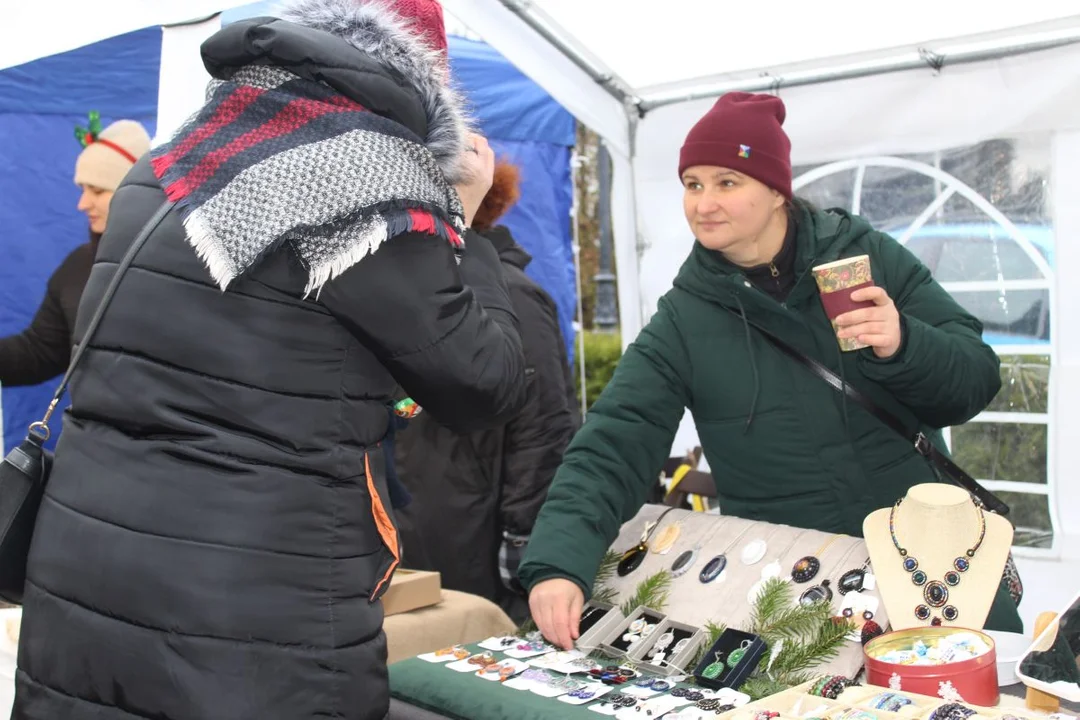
(377, 31)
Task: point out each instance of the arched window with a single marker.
(978, 218)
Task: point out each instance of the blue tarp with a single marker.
(527, 127)
(41, 103)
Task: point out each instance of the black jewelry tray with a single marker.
(733, 678)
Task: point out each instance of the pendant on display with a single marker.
(753, 552)
(770, 571)
(935, 594)
(713, 569)
(851, 581)
(755, 590)
(684, 562)
(806, 569)
(631, 560)
(818, 593)
(666, 539)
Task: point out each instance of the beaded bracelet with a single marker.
(890, 702)
(819, 686)
(951, 711)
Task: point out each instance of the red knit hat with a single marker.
(743, 132)
(425, 18)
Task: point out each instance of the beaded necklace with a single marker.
(936, 592)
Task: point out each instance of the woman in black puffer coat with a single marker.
(216, 531)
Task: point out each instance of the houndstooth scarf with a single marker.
(272, 158)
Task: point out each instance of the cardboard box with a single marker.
(410, 590)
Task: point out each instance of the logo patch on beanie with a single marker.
(744, 151)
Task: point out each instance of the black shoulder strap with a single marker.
(41, 427)
(919, 441)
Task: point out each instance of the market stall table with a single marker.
(426, 691)
(429, 691)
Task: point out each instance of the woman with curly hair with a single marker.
(475, 496)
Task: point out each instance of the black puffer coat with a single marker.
(216, 530)
(468, 489)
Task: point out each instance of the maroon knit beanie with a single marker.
(743, 132)
(425, 18)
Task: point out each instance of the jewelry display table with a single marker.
(423, 691)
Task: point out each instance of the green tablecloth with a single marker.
(464, 696)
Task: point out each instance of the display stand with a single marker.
(937, 524)
(726, 599)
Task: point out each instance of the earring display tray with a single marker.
(679, 649)
(623, 639)
(730, 660)
(598, 621)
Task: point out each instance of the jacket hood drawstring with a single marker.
(753, 364)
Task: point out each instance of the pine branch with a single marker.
(606, 571)
(651, 593)
(772, 601)
(796, 622)
(605, 595)
(759, 686)
(715, 630)
(816, 649)
(807, 636)
(526, 627)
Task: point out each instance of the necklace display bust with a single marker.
(938, 557)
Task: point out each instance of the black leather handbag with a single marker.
(25, 471)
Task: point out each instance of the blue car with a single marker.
(984, 253)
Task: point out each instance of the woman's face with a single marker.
(95, 203)
(726, 209)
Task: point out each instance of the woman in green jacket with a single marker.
(783, 446)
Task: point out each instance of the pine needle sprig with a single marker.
(652, 592)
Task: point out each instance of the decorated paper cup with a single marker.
(836, 281)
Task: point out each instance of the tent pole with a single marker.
(542, 26)
(605, 316)
(913, 60)
(575, 163)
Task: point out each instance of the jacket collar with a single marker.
(822, 236)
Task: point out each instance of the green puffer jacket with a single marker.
(783, 446)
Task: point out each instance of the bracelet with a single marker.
(891, 702)
(951, 711)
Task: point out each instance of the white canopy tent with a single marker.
(866, 87)
(862, 88)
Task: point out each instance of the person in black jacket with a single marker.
(42, 350)
(475, 496)
(216, 533)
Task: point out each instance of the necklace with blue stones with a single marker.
(936, 592)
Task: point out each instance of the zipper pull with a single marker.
(773, 270)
